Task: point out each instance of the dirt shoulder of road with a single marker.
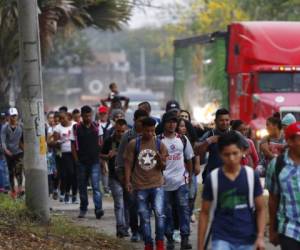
(20, 230)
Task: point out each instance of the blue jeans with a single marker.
(179, 199)
(4, 175)
(193, 193)
(84, 173)
(224, 245)
(147, 200)
(118, 196)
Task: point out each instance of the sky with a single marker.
(155, 16)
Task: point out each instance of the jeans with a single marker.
(118, 196)
(224, 245)
(4, 175)
(193, 193)
(131, 214)
(177, 199)
(147, 200)
(84, 173)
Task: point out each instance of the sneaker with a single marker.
(135, 237)
(55, 196)
(193, 218)
(176, 236)
(82, 214)
(67, 199)
(99, 214)
(170, 244)
(61, 198)
(185, 245)
(74, 200)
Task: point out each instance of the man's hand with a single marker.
(128, 187)
(112, 154)
(7, 152)
(212, 139)
(274, 237)
(260, 244)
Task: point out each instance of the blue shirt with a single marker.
(234, 220)
(288, 214)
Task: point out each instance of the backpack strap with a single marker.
(158, 143)
(279, 165)
(214, 179)
(137, 150)
(251, 183)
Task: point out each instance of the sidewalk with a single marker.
(107, 223)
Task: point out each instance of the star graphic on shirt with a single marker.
(148, 159)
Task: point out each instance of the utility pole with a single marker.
(36, 182)
(143, 68)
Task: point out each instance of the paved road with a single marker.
(107, 224)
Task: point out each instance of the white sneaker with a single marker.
(176, 236)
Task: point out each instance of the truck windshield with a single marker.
(279, 82)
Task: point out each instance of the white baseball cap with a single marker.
(13, 111)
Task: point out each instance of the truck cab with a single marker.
(263, 68)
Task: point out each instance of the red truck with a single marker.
(262, 69)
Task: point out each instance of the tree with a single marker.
(55, 15)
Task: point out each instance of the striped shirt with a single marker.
(288, 214)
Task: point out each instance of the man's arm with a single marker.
(264, 147)
(3, 141)
(260, 221)
(273, 207)
(128, 165)
(203, 223)
(74, 151)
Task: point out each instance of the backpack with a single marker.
(214, 183)
(76, 126)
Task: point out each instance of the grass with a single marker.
(19, 229)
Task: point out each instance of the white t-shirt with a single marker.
(65, 134)
(175, 173)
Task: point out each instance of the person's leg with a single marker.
(244, 247)
(157, 202)
(6, 175)
(169, 221)
(182, 200)
(11, 170)
(192, 197)
(221, 245)
(97, 195)
(131, 207)
(117, 194)
(83, 175)
(74, 182)
(19, 166)
(68, 174)
(144, 212)
(1, 176)
(287, 243)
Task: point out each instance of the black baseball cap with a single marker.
(169, 116)
(172, 105)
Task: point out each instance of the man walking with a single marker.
(108, 153)
(130, 201)
(12, 144)
(283, 184)
(177, 176)
(85, 139)
(231, 195)
(144, 162)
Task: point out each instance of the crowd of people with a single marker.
(151, 170)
